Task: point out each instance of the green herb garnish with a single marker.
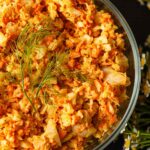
(28, 40)
(57, 67)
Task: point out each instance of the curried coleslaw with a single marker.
(63, 74)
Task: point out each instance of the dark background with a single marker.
(138, 18)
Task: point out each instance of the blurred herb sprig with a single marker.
(137, 133)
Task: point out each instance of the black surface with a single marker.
(138, 18)
(117, 144)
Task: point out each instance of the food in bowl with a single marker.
(63, 74)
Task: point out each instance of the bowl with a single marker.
(134, 73)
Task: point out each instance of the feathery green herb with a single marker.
(22, 85)
(56, 67)
(28, 40)
(137, 133)
(137, 128)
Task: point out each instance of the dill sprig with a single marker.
(46, 97)
(47, 75)
(28, 40)
(137, 133)
(57, 67)
(23, 89)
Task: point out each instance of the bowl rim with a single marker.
(137, 73)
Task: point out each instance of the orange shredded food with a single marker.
(62, 74)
